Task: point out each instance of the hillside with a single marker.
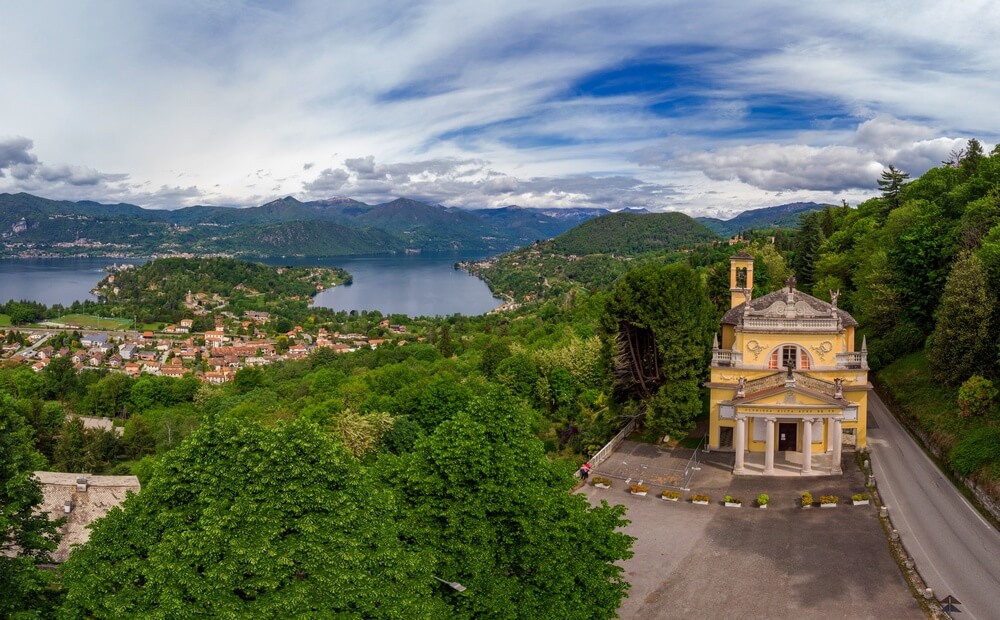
(632, 233)
(301, 238)
(780, 216)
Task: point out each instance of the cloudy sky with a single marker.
(703, 107)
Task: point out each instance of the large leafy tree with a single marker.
(662, 322)
(242, 521)
(26, 538)
(963, 343)
(489, 511)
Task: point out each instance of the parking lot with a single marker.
(710, 561)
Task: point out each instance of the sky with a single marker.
(709, 108)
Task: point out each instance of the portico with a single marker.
(778, 443)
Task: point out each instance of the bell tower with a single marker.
(740, 277)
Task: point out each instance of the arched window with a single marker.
(789, 355)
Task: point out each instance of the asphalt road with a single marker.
(956, 551)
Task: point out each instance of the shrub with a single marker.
(697, 497)
(638, 488)
(828, 499)
(976, 450)
(763, 499)
(859, 497)
(976, 396)
(668, 494)
(807, 499)
(729, 499)
(600, 480)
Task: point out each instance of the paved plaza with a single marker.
(782, 562)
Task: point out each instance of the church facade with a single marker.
(787, 384)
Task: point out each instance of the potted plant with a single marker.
(762, 500)
(807, 500)
(601, 482)
(670, 496)
(828, 501)
(732, 502)
(698, 498)
(860, 499)
(638, 489)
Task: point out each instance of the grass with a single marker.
(92, 322)
(4, 320)
(914, 390)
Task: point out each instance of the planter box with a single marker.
(700, 502)
(669, 499)
(828, 505)
(734, 504)
(602, 486)
(861, 502)
(639, 493)
(762, 507)
(806, 506)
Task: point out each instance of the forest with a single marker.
(260, 496)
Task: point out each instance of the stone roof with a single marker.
(103, 493)
(776, 303)
(742, 254)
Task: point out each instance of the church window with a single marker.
(788, 355)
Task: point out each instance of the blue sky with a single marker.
(709, 108)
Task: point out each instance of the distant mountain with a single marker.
(31, 225)
(781, 216)
(632, 233)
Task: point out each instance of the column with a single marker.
(807, 445)
(740, 443)
(769, 447)
(836, 436)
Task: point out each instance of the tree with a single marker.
(662, 323)
(242, 521)
(26, 538)
(444, 345)
(964, 338)
(891, 185)
(486, 509)
(808, 242)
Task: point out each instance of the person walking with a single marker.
(585, 472)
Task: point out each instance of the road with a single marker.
(956, 551)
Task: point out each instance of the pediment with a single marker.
(790, 397)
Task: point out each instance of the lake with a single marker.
(414, 284)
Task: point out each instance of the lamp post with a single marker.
(454, 585)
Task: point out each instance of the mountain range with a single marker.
(35, 226)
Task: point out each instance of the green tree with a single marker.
(891, 185)
(964, 337)
(662, 323)
(482, 503)
(26, 538)
(808, 242)
(444, 344)
(242, 521)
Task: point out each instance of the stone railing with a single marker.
(853, 360)
(726, 358)
(777, 324)
(812, 383)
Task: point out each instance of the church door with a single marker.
(787, 435)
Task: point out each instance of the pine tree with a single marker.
(807, 248)
(963, 340)
(891, 184)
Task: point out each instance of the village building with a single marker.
(788, 387)
(81, 499)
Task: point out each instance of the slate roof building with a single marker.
(788, 387)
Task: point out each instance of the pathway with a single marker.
(956, 551)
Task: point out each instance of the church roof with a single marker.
(776, 303)
(742, 254)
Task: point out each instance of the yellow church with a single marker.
(788, 388)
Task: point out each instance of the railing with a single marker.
(726, 357)
(854, 360)
(755, 323)
(826, 387)
(603, 454)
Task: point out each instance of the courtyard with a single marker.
(711, 561)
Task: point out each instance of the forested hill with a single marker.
(632, 233)
(157, 291)
(780, 216)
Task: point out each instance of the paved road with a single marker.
(956, 551)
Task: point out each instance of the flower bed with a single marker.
(670, 496)
(602, 483)
(700, 499)
(762, 500)
(807, 500)
(732, 502)
(638, 489)
(828, 501)
(860, 499)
